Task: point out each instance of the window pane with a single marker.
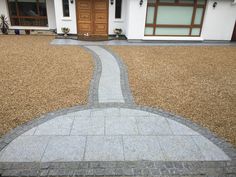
(12, 7)
(27, 8)
(201, 1)
(172, 31)
(32, 22)
(148, 31)
(196, 31)
(118, 8)
(175, 15)
(42, 8)
(169, 1)
(198, 16)
(150, 15)
(66, 10)
(187, 1)
(15, 22)
(152, 1)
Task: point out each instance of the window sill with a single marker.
(29, 27)
(118, 20)
(174, 38)
(66, 19)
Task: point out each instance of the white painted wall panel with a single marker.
(69, 22)
(136, 16)
(51, 14)
(117, 23)
(219, 22)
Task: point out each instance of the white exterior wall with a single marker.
(3, 8)
(136, 16)
(69, 22)
(50, 14)
(219, 22)
(117, 23)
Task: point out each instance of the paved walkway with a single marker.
(141, 43)
(115, 135)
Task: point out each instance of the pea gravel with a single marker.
(197, 82)
(36, 78)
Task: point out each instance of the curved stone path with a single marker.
(113, 136)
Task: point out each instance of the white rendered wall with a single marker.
(117, 23)
(50, 14)
(136, 16)
(69, 22)
(3, 8)
(219, 22)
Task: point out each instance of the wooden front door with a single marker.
(92, 18)
(234, 33)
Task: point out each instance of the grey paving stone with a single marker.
(57, 126)
(25, 149)
(180, 129)
(180, 148)
(109, 89)
(133, 112)
(88, 126)
(138, 148)
(112, 112)
(104, 148)
(98, 113)
(30, 132)
(153, 125)
(210, 151)
(84, 113)
(64, 148)
(121, 126)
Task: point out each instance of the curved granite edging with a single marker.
(94, 83)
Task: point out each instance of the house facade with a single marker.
(194, 20)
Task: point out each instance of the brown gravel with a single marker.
(36, 78)
(198, 83)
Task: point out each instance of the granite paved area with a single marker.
(111, 134)
(113, 137)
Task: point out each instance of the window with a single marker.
(28, 13)
(66, 11)
(174, 17)
(118, 9)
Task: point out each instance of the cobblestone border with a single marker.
(119, 168)
(94, 83)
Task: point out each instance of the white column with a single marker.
(136, 16)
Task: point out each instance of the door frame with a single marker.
(93, 36)
(234, 33)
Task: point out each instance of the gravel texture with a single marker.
(36, 78)
(198, 83)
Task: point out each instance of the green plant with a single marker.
(65, 31)
(4, 25)
(118, 32)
